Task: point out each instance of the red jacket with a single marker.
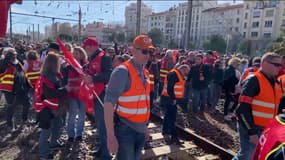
(33, 72)
(94, 67)
(271, 139)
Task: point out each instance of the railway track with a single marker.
(194, 147)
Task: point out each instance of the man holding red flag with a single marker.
(5, 6)
(98, 72)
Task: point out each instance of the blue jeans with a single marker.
(54, 132)
(76, 107)
(217, 90)
(246, 149)
(130, 142)
(100, 124)
(198, 100)
(169, 121)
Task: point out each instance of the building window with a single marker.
(238, 11)
(197, 17)
(254, 34)
(256, 14)
(236, 29)
(246, 15)
(268, 24)
(259, 4)
(244, 34)
(247, 6)
(267, 35)
(245, 25)
(255, 24)
(151, 24)
(269, 13)
(272, 3)
(152, 18)
(237, 20)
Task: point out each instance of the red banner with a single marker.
(4, 8)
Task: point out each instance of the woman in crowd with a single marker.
(76, 106)
(49, 91)
(231, 87)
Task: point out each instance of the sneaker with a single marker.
(78, 138)
(228, 118)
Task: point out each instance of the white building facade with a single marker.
(131, 18)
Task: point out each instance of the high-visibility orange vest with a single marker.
(281, 79)
(134, 104)
(33, 72)
(7, 79)
(179, 86)
(265, 104)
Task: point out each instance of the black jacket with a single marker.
(194, 76)
(230, 79)
(250, 88)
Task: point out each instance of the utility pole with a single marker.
(79, 24)
(11, 30)
(29, 33)
(38, 32)
(138, 27)
(33, 32)
(53, 28)
(188, 24)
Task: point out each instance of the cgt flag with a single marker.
(4, 8)
(86, 93)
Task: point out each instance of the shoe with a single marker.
(70, 139)
(78, 138)
(228, 118)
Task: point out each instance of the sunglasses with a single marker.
(145, 51)
(275, 64)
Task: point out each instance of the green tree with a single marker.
(244, 47)
(216, 43)
(120, 38)
(172, 44)
(157, 36)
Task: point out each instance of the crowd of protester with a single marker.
(207, 74)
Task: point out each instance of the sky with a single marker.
(108, 11)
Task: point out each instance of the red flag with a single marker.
(4, 8)
(86, 93)
(69, 58)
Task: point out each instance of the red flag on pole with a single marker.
(86, 93)
(4, 8)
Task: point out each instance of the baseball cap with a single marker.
(143, 42)
(90, 41)
(54, 46)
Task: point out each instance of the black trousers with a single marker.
(12, 102)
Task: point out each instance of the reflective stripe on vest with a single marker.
(7, 79)
(265, 104)
(134, 104)
(179, 87)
